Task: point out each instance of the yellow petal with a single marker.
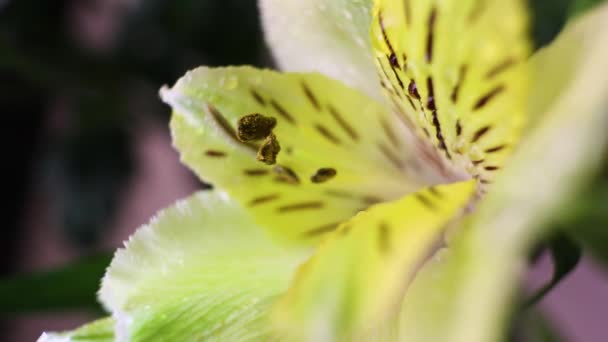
(468, 296)
(455, 70)
(339, 150)
(358, 275)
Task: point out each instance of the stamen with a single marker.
(323, 174)
(255, 127)
(269, 150)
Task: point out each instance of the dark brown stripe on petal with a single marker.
(431, 35)
(300, 206)
(412, 88)
(491, 168)
(257, 97)
(388, 131)
(500, 68)
(343, 123)
(345, 229)
(411, 102)
(221, 121)
(456, 91)
(327, 228)
(480, 133)
(395, 68)
(286, 175)
(439, 135)
(425, 201)
(458, 128)
(390, 155)
(323, 175)
(392, 57)
(495, 149)
(426, 132)
(393, 61)
(263, 199)
(310, 96)
(477, 162)
(434, 191)
(430, 102)
(256, 172)
(215, 154)
(327, 134)
(282, 112)
(384, 238)
(489, 96)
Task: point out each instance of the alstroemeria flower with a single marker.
(418, 205)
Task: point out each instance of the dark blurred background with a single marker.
(90, 157)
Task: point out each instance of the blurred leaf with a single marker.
(566, 254)
(588, 222)
(548, 18)
(580, 6)
(71, 287)
(538, 327)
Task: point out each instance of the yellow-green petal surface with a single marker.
(321, 124)
(199, 271)
(357, 277)
(467, 294)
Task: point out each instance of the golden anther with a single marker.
(255, 127)
(269, 150)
